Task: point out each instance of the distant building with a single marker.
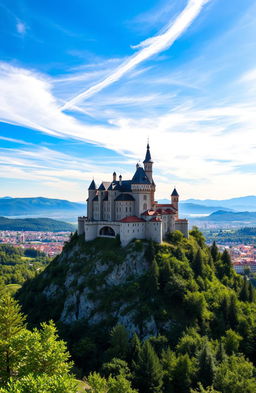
(128, 208)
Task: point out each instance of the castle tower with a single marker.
(148, 164)
(91, 194)
(175, 199)
(148, 168)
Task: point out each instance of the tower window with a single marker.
(145, 197)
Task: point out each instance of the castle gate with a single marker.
(107, 231)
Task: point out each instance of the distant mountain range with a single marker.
(41, 207)
(196, 208)
(246, 203)
(248, 218)
(68, 211)
(193, 208)
(35, 224)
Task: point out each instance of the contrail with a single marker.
(151, 47)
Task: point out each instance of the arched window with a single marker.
(145, 197)
(145, 206)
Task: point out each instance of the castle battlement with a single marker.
(128, 208)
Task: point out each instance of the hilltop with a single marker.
(179, 298)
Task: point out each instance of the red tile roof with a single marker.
(182, 220)
(132, 219)
(166, 205)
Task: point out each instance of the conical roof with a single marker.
(140, 177)
(92, 186)
(148, 155)
(175, 193)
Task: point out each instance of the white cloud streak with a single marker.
(150, 47)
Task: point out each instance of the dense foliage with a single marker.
(31, 361)
(34, 224)
(204, 313)
(18, 265)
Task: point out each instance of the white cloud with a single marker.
(150, 47)
(188, 143)
(249, 76)
(21, 28)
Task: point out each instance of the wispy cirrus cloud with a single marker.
(195, 139)
(150, 47)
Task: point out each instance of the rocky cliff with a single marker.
(97, 282)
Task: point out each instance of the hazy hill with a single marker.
(224, 216)
(40, 206)
(246, 203)
(35, 224)
(195, 208)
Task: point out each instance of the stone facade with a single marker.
(128, 208)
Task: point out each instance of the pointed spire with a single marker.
(92, 186)
(148, 155)
(174, 193)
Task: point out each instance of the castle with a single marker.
(128, 208)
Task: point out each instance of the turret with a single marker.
(120, 180)
(114, 176)
(148, 164)
(175, 198)
(91, 194)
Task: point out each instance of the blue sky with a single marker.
(84, 84)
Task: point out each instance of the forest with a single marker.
(204, 312)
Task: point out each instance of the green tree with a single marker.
(148, 371)
(119, 343)
(42, 384)
(189, 342)
(43, 352)
(220, 352)
(97, 383)
(201, 389)
(11, 325)
(233, 312)
(135, 348)
(198, 236)
(214, 251)
(119, 384)
(116, 367)
(183, 374)
(154, 276)
(206, 365)
(244, 293)
(251, 293)
(169, 361)
(231, 342)
(226, 263)
(235, 375)
(26, 356)
(198, 264)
